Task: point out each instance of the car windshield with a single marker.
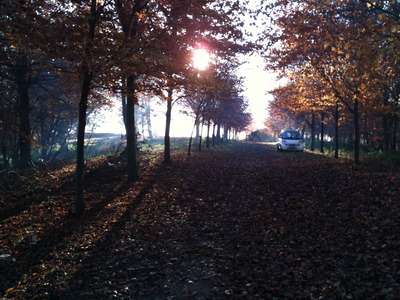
(293, 135)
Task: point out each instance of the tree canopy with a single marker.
(338, 53)
(62, 60)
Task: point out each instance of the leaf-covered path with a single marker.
(244, 222)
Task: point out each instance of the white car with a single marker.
(290, 140)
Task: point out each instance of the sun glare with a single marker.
(201, 59)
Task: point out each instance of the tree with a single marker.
(87, 77)
(133, 17)
(130, 46)
(341, 42)
(19, 65)
(186, 26)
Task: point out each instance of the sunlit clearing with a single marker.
(201, 59)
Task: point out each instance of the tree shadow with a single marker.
(103, 247)
(21, 206)
(30, 253)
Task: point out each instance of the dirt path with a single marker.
(242, 223)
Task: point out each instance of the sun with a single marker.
(201, 59)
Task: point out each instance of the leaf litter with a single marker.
(244, 223)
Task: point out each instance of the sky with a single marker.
(257, 83)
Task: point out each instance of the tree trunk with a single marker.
(385, 121)
(24, 141)
(195, 127)
(123, 102)
(167, 139)
(190, 145)
(200, 136)
(337, 130)
(191, 137)
(208, 134)
(225, 133)
(4, 153)
(356, 133)
(80, 148)
(133, 174)
(200, 141)
(322, 133)
(143, 122)
(148, 118)
(312, 146)
(395, 126)
(213, 135)
(83, 103)
(218, 132)
(386, 133)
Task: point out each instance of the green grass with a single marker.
(158, 144)
(347, 152)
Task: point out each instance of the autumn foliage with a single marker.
(234, 220)
(341, 69)
(62, 60)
